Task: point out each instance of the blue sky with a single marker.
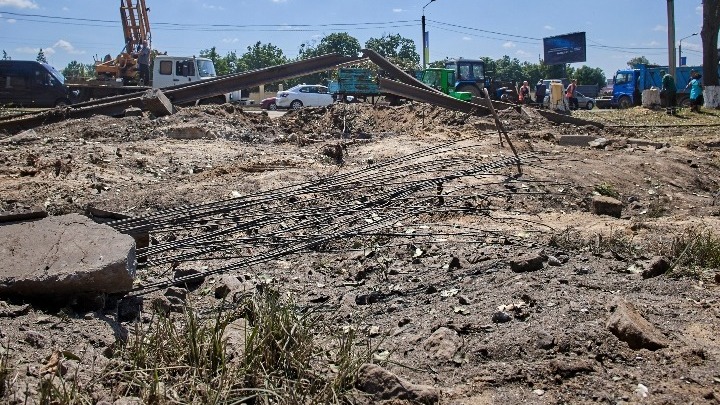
(617, 30)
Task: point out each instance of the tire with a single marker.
(624, 102)
(272, 107)
(684, 102)
(62, 103)
(296, 105)
(471, 89)
(590, 105)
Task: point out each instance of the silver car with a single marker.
(303, 95)
(584, 101)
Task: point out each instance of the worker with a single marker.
(524, 93)
(540, 90)
(144, 63)
(696, 93)
(570, 94)
(668, 92)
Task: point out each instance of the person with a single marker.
(668, 92)
(696, 93)
(540, 90)
(571, 94)
(524, 96)
(144, 63)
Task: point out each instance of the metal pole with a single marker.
(671, 36)
(680, 54)
(424, 51)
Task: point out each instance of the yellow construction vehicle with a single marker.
(136, 29)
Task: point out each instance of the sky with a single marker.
(616, 30)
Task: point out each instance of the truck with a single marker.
(472, 77)
(359, 84)
(628, 85)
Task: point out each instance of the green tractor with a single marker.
(444, 80)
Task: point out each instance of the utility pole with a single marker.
(672, 63)
(425, 38)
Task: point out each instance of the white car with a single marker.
(303, 95)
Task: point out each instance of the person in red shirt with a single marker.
(571, 96)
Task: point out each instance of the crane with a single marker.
(136, 29)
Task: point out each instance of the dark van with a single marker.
(31, 84)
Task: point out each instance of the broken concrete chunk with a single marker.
(630, 327)
(442, 344)
(384, 385)
(529, 262)
(657, 266)
(603, 205)
(64, 255)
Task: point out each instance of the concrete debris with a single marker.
(64, 255)
(443, 344)
(658, 266)
(525, 263)
(603, 205)
(384, 385)
(629, 326)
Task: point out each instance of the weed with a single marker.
(607, 190)
(693, 250)
(4, 369)
(616, 242)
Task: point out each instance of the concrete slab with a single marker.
(576, 140)
(64, 255)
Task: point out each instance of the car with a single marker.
(584, 101)
(303, 95)
(268, 104)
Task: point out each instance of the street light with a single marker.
(680, 48)
(425, 39)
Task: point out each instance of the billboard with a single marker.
(566, 48)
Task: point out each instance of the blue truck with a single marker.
(628, 85)
(356, 83)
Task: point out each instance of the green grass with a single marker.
(694, 251)
(607, 190)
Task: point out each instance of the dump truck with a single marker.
(628, 85)
(361, 84)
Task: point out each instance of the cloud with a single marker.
(11, 21)
(549, 27)
(35, 51)
(279, 1)
(520, 52)
(698, 9)
(230, 40)
(18, 3)
(661, 28)
(466, 39)
(65, 9)
(212, 7)
(509, 45)
(397, 10)
(67, 47)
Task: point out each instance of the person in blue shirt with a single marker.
(696, 93)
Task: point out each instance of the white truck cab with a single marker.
(173, 70)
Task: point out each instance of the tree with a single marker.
(340, 42)
(41, 56)
(221, 66)
(588, 75)
(709, 35)
(77, 69)
(260, 56)
(639, 60)
(400, 51)
(5, 56)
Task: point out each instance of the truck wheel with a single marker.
(62, 103)
(589, 105)
(684, 102)
(296, 104)
(471, 89)
(624, 102)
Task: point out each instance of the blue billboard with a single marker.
(566, 48)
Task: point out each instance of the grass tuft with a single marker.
(693, 250)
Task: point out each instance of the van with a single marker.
(31, 84)
(171, 71)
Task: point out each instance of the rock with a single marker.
(539, 392)
(630, 327)
(501, 317)
(185, 131)
(384, 385)
(453, 264)
(443, 344)
(65, 255)
(12, 311)
(570, 368)
(129, 309)
(603, 205)
(544, 341)
(599, 143)
(177, 292)
(529, 262)
(235, 334)
(554, 261)
(717, 278)
(161, 305)
(657, 266)
(128, 401)
(576, 140)
(641, 391)
(133, 112)
(367, 299)
(195, 278)
(36, 339)
(227, 284)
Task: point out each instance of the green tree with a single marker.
(639, 60)
(437, 64)
(5, 56)
(709, 35)
(77, 69)
(588, 75)
(260, 56)
(341, 43)
(400, 51)
(507, 69)
(41, 56)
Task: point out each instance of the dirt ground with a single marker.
(505, 337)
